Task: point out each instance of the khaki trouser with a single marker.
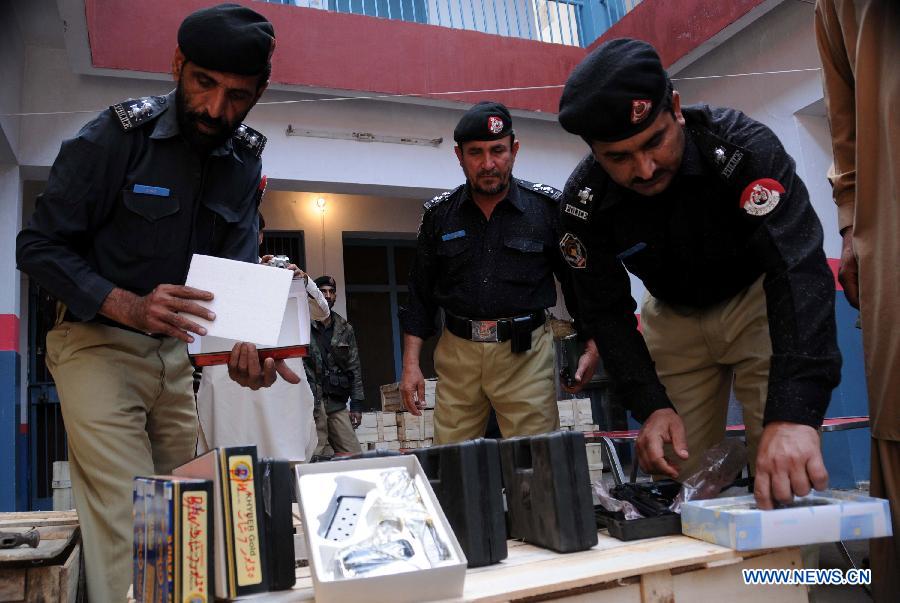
(128, 406)
(701, 354)
(473, 376)
(336, 433)
(884, 553)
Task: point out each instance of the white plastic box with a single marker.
(826, 516)
(320, 483)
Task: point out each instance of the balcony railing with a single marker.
(569, 22)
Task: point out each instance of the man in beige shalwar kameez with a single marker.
(859, 42)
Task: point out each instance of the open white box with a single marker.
(319, 485)
(293, 338)
(830, 516)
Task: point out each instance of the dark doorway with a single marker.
(376, 272)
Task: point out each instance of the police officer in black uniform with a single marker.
(139, 190)
(486, 254)
(704, 206)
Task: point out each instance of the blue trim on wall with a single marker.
(847, 453)
(9, 431)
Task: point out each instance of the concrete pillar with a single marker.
(11, 432)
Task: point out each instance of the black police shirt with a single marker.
(735, 211)
(477, 268)
(128, 206)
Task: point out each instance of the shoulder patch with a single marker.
(725, 157)
(761, 196)
(250, 139)
(438, 199)
(136, 112)
(573, 251)
(544, 189)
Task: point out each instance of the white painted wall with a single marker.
(12, 61)
(10, 219)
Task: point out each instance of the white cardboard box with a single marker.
(319, 483)
(293, 335)
(735, 522)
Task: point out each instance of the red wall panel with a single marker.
(336, 51)
(677, 28)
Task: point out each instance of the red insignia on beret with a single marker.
(640, 109)
(495, 124)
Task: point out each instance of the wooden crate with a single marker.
(50, 572)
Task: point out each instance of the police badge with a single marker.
(761, 196)
(573, 251)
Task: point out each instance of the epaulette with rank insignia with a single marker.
(250, 139)
(438, 199)
(136, 112)
(728, 159)
(543, 189)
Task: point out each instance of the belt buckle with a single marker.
(484, 331)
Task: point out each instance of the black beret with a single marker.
(325, 281)
(615, 92)
(485, 121)
(229, 37)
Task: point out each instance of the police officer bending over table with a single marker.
(486, 254)
(130, 198)
(704, 206)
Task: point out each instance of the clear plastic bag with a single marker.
(719, 467)
(614, 504)
(402, 534)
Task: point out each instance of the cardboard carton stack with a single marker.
(392, 402)
(396, 430)
(576, 415)
(393, 428)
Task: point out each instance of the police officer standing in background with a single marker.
(486, 253)
(139, 190)
(334, 371)
(704, 206)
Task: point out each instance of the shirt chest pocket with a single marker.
(453, 256)
(523, 260)
(150, 223)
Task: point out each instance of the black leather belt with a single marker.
(501, 329)
(102, 320)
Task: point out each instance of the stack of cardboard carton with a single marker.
(391, 400)
(396, 430)
(393, 428)
(576, 415)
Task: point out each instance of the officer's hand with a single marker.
(298, 273)
(412, 389)
(848, 272)
(266, 258)
(244, 368)
(662, 427)
(788, 462)
(587, 366)
(355, 419)
(165, 311)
